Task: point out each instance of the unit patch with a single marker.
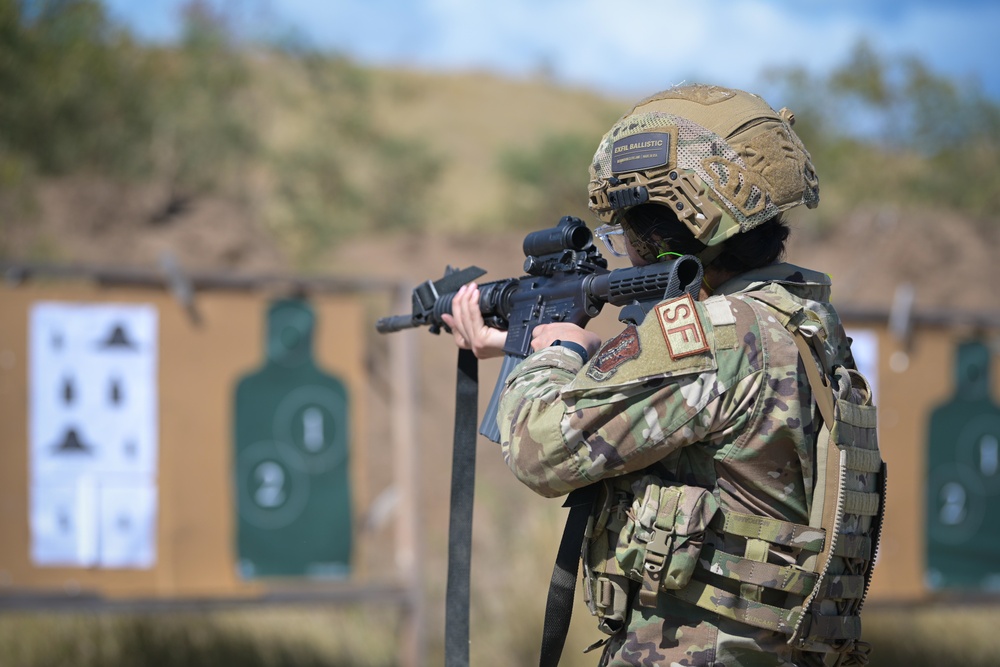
(681, 327)
(614, 353)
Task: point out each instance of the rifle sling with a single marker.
(559, 604)
(463, 486)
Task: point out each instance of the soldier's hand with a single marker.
(469, 329)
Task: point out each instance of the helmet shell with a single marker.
(721, 158)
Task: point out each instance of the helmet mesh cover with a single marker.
(743, 192)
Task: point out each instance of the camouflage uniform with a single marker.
(720, 402)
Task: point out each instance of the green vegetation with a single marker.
(69, 82)
(549, 181)
(910, 636)
(285, 132)
(929, 635)
(262, 637)
(888, 131)
(202, 136)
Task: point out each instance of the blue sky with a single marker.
(618, 47)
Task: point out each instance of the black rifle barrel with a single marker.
(395, 323)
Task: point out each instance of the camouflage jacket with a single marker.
(710, 394)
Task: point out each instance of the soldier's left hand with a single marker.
(469, 329)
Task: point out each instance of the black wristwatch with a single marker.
(576, 347)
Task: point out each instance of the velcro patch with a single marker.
(681, 327)
(640, 151)
(623, 347)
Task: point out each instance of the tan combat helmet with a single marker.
(722, 159)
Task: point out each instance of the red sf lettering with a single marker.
(682, 310)
(684, 330)
(681, 327)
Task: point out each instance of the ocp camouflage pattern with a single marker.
(736, 420)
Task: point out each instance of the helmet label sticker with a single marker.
(640, 151)
(682, 327)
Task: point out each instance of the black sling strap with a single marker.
(463, 486)
(559, 604)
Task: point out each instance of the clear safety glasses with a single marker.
(613, 237)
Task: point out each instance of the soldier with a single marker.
(700, 425)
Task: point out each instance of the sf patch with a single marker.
(681, 327)
(614, 353)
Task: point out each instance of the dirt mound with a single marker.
(95, 221)
(948, 259)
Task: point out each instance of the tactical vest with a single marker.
(669, 537)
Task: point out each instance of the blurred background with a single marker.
(354, 149)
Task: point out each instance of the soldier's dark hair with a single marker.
(752, 249)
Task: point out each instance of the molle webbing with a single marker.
(785, 578)
(729, 605)
(771, 530)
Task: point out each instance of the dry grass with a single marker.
(926, 635)
(504, 633)
(469, 120)
(272, 637)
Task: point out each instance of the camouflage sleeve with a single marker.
(556, 440)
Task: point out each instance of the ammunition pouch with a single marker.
(652, 533)
(606, 589)
(663, 536)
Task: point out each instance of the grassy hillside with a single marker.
(243, 155)
(317, 151)
(477, 125)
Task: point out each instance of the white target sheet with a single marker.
(93, 427)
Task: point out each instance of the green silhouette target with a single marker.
(963, 480)
(291, 475)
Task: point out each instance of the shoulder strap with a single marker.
(819, 381)
(791, 314)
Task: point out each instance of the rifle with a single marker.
(567, 281)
